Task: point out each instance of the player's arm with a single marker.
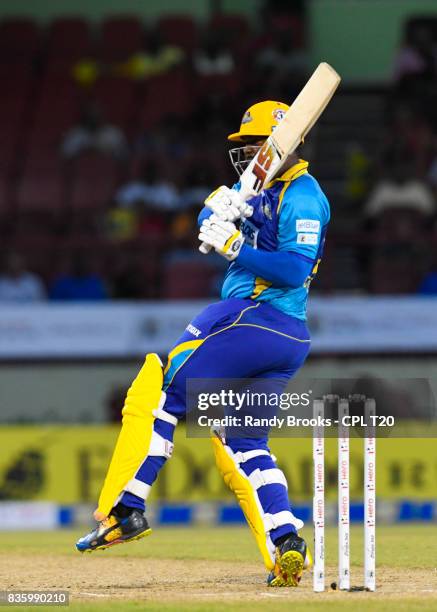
(282, 269)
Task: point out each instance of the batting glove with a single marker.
(223, 236)
(227, 204)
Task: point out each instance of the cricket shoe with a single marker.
(115, 530)
(292, 558)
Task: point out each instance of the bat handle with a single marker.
(204, 248)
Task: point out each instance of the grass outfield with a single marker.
(215, 568)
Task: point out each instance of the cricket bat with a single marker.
(289, 133)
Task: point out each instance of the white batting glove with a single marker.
(223, 236)
(227, 204)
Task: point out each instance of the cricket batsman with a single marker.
(274, 244)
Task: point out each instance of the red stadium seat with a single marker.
(46, 163)
(94, 194)
(12, 111)
(167, 94)
(5, 195)
(19, 38)
(98, 166)
(187, 280)
(16, 68)
(94, 182)
(230, 22)
(57, 109)
(120, 37)
(115, 96)
(44, 143)
(232, 27)
(15, 99)
(37, 192)
(60, 87)
(69, 39)
(63, 116)
(218, 84)
(178, 30)
(394, 274)
(11, 138)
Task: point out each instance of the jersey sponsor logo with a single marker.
(193, 330)
(307, 225)
(250, 233)
(307, 239)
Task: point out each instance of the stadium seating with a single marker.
(69, 39)
(39, 192)
(116, 96)
(187, 280)
(233, 27)
(120, 37)
(178, 30)
(94, 180)
(41, 100)
(19, 40)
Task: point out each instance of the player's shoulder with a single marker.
(306, 193)
(306, 186)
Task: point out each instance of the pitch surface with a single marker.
(207, 569)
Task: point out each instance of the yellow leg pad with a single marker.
(133, 443)
(246, 496)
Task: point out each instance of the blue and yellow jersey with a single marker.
(291, 214)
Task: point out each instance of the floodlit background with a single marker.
(113, 124)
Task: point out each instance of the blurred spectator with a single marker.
(156, 58)
(199, 183)
(416, 59)
(151, 188)
(399, 189)
(121, 224)
(409, 137)
(17, 284)
(432, 172)
(152, 222)
(183, 228)
(92, 133)
(171, 139)
(86, 71)
(213, 59)
(357, 172)
(428, 285)
(281, 58)
(78, 284)
(126, 281)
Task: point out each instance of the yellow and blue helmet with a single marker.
(257, 124)
(259, 120)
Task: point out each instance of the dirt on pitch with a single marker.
(99, 578)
